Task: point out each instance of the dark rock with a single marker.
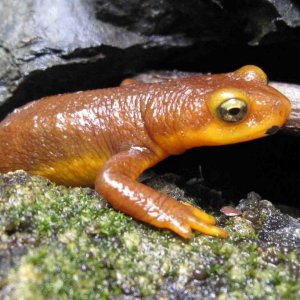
(50, 47)
(165, 17)
(265, 21)
(46, 41)
(275, 229)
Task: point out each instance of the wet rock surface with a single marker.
(274, 228)
(50, 47)
(68, 242)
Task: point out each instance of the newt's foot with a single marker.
(185, 217)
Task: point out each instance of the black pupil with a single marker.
(234, 111)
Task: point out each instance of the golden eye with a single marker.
(232, 110)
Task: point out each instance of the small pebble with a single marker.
(230, 211)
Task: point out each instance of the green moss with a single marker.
(75, 246)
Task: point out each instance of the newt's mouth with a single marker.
(272, 130)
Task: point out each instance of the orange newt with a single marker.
(106, 138)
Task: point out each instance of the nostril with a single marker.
(273, 129)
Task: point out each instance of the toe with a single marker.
(207, 229)
(201, 214)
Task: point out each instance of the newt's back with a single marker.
(66, 138)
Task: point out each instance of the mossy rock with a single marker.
(68, 243)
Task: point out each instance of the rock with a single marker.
(74, 245)
(50, 47)
(46, 37)
(275, 229)
(292, 91)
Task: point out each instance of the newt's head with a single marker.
(240, 106)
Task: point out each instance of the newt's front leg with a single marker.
(117, 183)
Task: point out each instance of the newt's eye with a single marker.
(232, 110)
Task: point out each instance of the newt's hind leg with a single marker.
(117, 183)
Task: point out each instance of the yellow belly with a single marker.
(81, 171)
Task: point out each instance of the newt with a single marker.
(107, 138)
